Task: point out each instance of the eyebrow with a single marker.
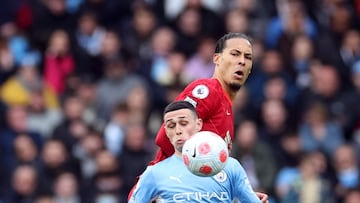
(236, 50)
(170, 119)
(239, 52)
(248, 54)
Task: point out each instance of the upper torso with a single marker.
(171, 181)
(214, 107)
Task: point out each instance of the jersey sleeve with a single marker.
(203, 95)
(145, 189)
(242, 189)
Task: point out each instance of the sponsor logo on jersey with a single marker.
(228, 113)
(221, 176)
(175, 179)
(191, 101)
(201, 197)
(159, 200)
(200, 91)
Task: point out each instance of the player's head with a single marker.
(180, 122)
(233, 60)
(221, 43)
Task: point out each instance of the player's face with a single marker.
(234, 64)
(180, 125)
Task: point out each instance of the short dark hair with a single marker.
(176, 105)
(220, 45)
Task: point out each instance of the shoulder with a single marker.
(202, 89)
(210, 83)
(161, 169)
(234, 166)
(10, 83)
(232, 162)
(162, 165)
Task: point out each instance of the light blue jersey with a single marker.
(170, 181)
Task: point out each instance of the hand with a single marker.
(263, 197)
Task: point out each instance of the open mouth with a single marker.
(239, 74)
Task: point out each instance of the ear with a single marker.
(199, 124)
(216, 58)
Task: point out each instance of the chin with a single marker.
(179, 148)
(235, 86)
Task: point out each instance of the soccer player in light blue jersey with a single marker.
(170, 180)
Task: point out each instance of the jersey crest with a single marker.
(221, 176)
(200, 91)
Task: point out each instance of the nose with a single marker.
(178, 130)
(242, 60)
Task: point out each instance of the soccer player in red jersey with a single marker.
(213, 97)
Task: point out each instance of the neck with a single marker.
(177, 153)
(230, 92)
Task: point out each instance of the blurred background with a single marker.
(83, 84)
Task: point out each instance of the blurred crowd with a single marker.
(83, 84)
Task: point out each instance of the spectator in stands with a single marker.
(255, 156)
(72, 127)
(351, 116)
(292, 19)
(347, 170)
(25, 185)
(274, 123)
(26, 151)
(115, 86)
(16, 117)
(58, 61)
(41, 118)
(46, 198)
(137, 33)
(309, 186)
(325, 87)
(302, 54)
(319, 132)
(114, 132)
(352, 196)
(271, 65)
(50, 15)
(55, 160)
(86, 151)
(17, 89)
(7, 62)
(89, 36)
(66, 188)
(86, 92)
(137, 152)
(200, 64)
(107, 181)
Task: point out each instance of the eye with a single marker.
(248, 57)
(183, 123)
(170, 125)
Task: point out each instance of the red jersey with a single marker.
(214, 107)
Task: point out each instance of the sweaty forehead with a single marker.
(239, 44)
